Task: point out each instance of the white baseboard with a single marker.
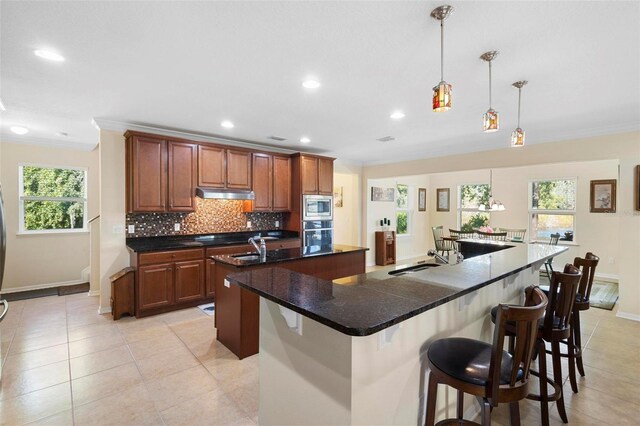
(41, 286)
(625, 315)
(94, 293)
(104, 310)
(607, 277)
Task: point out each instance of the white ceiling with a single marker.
(187, 66)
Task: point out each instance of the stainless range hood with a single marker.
(225, 194)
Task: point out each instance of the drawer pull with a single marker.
(227, 284)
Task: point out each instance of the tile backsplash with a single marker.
(211, 216)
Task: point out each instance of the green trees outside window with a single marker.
(52, 198)
(402, 209)
(471, 197)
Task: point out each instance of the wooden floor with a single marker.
(65, 364)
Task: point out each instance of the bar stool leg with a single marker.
(577, 338)
(514, 413)
(557, 378)
(571, 355)
(460, 404)
(431, 400)
(542, 367)
(485, 411)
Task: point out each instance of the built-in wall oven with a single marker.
(317, 233)
(317, 207)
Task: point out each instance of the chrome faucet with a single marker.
(261, 249)
(459, 256)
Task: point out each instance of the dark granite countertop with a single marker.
(365, 304)
(142, 244)
(284, 255)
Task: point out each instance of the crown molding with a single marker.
(48, 143)
(123, 126)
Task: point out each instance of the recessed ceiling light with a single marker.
(227, 124)
(305, 139)
(397, 115)
(311, 84)
(49, 55)
(19, 130)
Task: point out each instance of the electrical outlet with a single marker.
(248, 224)
(131, 229)
(277, 224)
(612, 260)
(176, 226)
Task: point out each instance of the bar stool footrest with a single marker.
(456, 422)
(556, 389)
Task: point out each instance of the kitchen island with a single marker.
(237, 310)
(351, 351)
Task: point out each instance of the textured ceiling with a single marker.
(188, 66)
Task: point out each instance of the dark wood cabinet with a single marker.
(271, 182)
(385, 247)
(155, 286)
(183, 158)
(160, 174)
(263, 182)
(281, 183)
(146, 173)
(211, 166)
(238, 169)
(189, 280)
(316, 174)
(325, 176)
(210, 278)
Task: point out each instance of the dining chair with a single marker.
(548, 267)
(514, 234)
(485, 370)
(442, 245)
(495, 236)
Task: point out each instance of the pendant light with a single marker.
(491, 118)
(442, 92)
(517, 136)
(492, 205)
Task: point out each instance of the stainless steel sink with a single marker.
(247, 256)
(413, 269)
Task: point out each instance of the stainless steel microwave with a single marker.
(317, 207)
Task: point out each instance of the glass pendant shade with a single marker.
(490, 121)
(517, 137)
(442, 97)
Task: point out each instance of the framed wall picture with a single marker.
(442, 198)
(337, 196)
(637, 191)
(422, 199)
(383, 194)
(603, 196)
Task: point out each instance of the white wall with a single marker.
(346, 219)
(416, 242)
(616, 233)
(44, 260)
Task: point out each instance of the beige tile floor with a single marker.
(65, 364)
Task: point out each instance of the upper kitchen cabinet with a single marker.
(160, 174)
(219, 167)
(316, 174)
(183, 158)
(271, 182)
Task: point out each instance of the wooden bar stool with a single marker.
(555, 328)
(587, 266)
(485, 370)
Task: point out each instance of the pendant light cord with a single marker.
(490, 85)
(442, 49)
(519, 96)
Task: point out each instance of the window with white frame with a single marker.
(552, 208)
(52, 198)
(403, 210)
(471, 197)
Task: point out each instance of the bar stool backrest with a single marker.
(588, 268)
(526, 320)
(562, 296)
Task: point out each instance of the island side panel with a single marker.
(390, 383)
(304, 379)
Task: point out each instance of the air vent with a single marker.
(277, 138)
(386, 139)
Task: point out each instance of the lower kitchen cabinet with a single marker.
(189, 280)
(155, 286)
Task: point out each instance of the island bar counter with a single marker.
(352, 351)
